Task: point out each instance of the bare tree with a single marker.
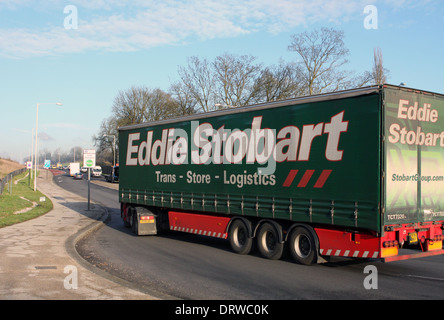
(322, 55)
(186, 104)
(198, 79)
(227, 80)
(75, 154)
(161, 105)
(104, 140)
(141, 104)
(278, 82)
(235, 78)
(379, 73)
(133, 106)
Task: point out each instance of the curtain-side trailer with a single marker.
(356, 173)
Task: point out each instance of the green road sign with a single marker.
(89, 158)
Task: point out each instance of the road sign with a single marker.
(89, 161)
(28, 165)
(89, 158)
(47, 164)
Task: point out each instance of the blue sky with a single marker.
(118, 44)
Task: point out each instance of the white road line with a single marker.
(426, 278)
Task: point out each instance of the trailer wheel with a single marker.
(302, 246)
(268, 242)
(239, 238)
(124, 214)
(134, 221)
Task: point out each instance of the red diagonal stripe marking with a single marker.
(322, 178)
(290, 178)
(305, 178)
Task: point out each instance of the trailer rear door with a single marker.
(414, 156)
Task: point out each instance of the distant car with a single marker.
(84, 169)
(78, 176)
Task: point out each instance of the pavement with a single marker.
(38, 259)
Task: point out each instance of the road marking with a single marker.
(46, 267)
(426, 278)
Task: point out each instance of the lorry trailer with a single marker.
(356, 173)
(74, 167)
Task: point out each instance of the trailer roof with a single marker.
(299, 100)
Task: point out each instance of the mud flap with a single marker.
(144, 222)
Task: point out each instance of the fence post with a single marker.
(7, 180)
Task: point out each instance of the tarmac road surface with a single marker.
(196, 267)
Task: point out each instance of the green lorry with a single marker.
(356, 173)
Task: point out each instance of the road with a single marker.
(195, 267)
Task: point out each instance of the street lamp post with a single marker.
(36, 139)
(32, 152)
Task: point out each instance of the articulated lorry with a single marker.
(74, 167)
(357, 173)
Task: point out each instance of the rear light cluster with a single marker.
(389, 244)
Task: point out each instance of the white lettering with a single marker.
(252, 145)
(293, 134)
(159, 149)
(202, 143)
(193, 177)
(260, 139)
(145, 146)
(251, 309)
(334, 129)
(132, 149)
(309, 132)
(425, 113)
(236, 146)
(203, 311)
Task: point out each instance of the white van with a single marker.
(96, 171)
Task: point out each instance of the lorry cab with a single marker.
(96, 171)
(114, 175)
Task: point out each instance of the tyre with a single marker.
(268, 242)
(125, 217)
(239, 237)
(134, 221)
(302, 246)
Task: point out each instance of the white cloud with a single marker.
(134, 25)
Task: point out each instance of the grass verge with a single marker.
(12, 203)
